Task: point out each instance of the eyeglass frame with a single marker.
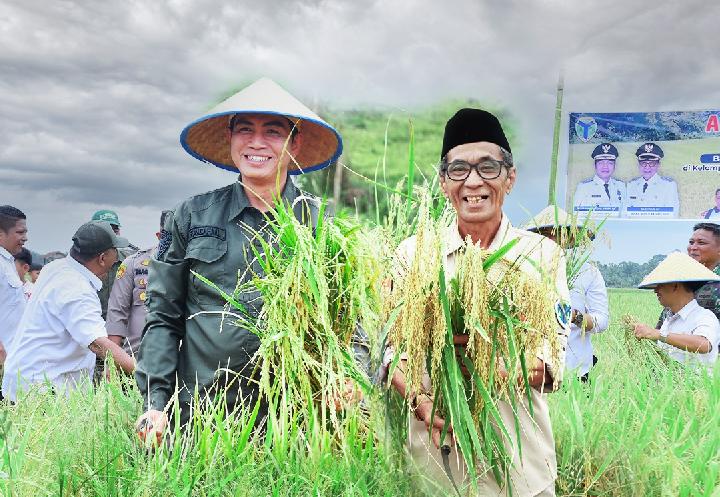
(445, 166)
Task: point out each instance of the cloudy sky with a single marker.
(93, 95)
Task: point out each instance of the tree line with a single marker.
(627, 274)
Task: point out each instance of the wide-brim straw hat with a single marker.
(678, 268)
(206, 137)
(552, 217)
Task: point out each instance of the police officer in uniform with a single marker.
(602, 193)
(264, 134)
(651, 195)
(126, 306)
(108, 280)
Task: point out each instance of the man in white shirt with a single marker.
(713, 212)
(588, 294)
(13, 235)
(689, 333)
(651, 195)
(62, 330)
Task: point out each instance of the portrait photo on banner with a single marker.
(642, 166)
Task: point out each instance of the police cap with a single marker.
(649, 151)
(605, 151)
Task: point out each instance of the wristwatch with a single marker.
(663, 334)
(578, 319)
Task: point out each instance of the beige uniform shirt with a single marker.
(537, 469)
(126, 306)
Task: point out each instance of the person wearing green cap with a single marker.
(61, 331)
(265, 135)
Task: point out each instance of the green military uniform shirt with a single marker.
(211, 234)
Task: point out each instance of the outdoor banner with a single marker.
(655, 165)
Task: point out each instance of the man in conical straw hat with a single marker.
(689, 333)
(264, 134)
(476, 173)
(588, 294)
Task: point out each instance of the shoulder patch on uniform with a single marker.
(563, 311)
(120, 271)
(585, 181)
(206, 231)
(667, 178)
(164, 243)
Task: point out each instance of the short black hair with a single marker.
(693, 286)
(9, 216)
(711, 227)
(24, 256)
(81, 257)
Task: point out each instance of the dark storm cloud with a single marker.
(94, 95)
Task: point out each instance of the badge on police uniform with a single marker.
(146, 262)
(142, 282)
(143, 296)
(120, 271)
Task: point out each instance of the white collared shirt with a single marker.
(589, 296)
(693, 320)
(12, 297)
(61, 320)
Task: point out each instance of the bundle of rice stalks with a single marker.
(509, 318)
(643, 352)
(320, 291)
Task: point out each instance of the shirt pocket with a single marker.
(207, 257)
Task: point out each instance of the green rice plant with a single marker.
(318, 285)
(508, 316)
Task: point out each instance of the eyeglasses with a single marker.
(459, 170)
(649, 162)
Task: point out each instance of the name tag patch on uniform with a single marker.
(206, 231)
(139, 271)
(164, 243)
(563, 311)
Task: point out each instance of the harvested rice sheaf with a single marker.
(642, 351)
(319, 288)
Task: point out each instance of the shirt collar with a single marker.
(94, 280)
(241, 201)
(687, 309)
(597, 179)
(454, 242)
(654, 179)
(6, 254)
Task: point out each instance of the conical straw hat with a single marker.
(206, 137)
(675, 268)
(549, 217)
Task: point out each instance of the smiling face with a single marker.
(477, 200)
(604, 168)
(260, 147)
(648, 167)
(704, 247)
(14, 239)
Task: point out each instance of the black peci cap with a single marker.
(470, 126)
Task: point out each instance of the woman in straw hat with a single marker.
(264, 134)
(689, 333)
(588, 294)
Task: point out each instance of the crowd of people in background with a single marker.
(107, 298)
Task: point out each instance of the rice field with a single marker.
(631, 432)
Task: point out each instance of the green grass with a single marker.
(630, 433)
